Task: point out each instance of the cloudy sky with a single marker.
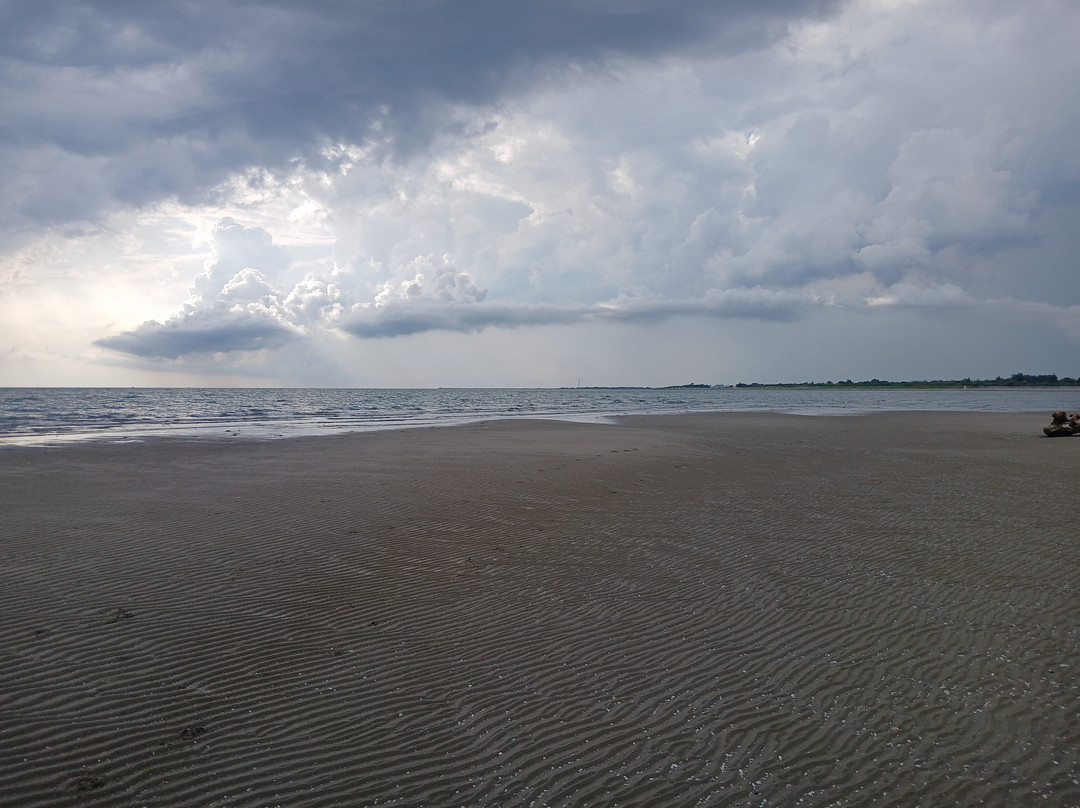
(537, 192)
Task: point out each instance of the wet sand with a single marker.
(728, 609)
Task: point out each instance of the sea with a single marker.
(56, 415)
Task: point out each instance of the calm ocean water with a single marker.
(41, 416)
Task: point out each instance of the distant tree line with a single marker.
(1016, 380)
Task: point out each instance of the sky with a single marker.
(486, 193)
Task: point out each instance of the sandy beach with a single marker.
(710, 609)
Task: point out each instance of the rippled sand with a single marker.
(695, 610)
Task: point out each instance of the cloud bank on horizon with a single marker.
(454, 191)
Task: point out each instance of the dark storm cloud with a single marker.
(124, 102)
(247, 316)
(403, 319)
(444, 44)
(398, 321)
(175, 340)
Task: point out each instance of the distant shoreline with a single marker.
(936, 385)
(1012, 383)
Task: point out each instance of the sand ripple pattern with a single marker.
(706, 610)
